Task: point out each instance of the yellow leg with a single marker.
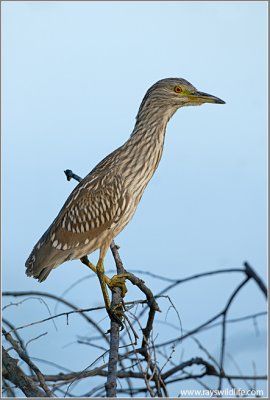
(113, 312)
(86, 262)
(102, 281)
(115, 281)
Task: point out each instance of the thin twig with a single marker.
(63, 301)
(67, 313)
(35, 338)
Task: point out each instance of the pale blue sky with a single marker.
(73, 76)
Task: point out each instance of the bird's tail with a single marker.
(36, 270)
(42, 260)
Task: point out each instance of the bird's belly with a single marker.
(124, 220)
(94, 244)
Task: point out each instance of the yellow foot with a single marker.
(118, 281)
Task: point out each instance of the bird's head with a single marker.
(177, 92)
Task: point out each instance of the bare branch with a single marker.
(70, 175)
(111, 384)
(153, 308)
(29, 362)
(252, 274)
(15, 375)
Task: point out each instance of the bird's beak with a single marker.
(201, 97)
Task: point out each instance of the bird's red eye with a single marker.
(178, 89)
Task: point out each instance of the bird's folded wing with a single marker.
(93, 207)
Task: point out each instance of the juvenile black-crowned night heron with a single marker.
(103, 203)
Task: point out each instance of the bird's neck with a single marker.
(152, 118)
(145, 145)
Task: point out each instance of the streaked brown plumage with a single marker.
(105, 200)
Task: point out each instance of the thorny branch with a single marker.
(152, 362)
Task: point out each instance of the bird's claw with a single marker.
(119, 281)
